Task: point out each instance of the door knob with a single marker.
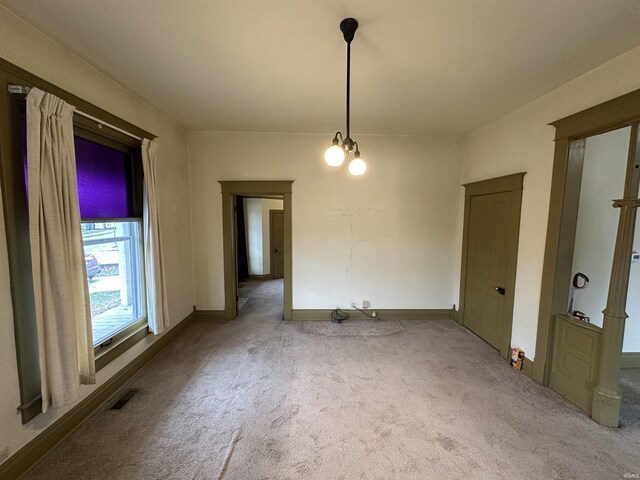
(500, 290)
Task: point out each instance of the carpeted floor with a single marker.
(261, 398)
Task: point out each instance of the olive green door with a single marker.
(277, 243)
(489, 233)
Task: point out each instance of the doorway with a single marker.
(231, 190)
(490, 249)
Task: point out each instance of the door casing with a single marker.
(253, 188)
(506, 184)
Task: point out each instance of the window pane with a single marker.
(114, 271)
(104, 179)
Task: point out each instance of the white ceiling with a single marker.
(423, 66)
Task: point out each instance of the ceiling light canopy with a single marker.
(344, 147)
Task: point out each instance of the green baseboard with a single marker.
(266, 276)
(209, 315)
(25, 458)
(527, 367)
(385, 314)
(630, 360)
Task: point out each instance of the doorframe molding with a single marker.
(271, 235)
(505, 184)
(620, 112)
(229, 190)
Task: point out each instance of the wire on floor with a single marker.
(339, 316)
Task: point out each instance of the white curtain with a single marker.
(61, 294)
(157, 309)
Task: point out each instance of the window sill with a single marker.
(121, 343)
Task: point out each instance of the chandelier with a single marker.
(343, 147)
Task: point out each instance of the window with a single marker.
(111, 213)
(109, 196)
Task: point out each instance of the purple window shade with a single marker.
(103, 176)
(103, 180)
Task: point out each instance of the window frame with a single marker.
(15, 218)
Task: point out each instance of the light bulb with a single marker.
(357, 167)
(334, 156)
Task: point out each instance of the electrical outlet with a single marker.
(374, 314)
(353, 305)
(366, 304)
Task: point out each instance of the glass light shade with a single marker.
(334, 156)
(357, 167)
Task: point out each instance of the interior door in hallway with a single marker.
(491, 226)
(277, 242)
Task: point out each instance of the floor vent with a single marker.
(122, 401)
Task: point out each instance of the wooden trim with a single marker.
(256, 187)
(259, 278)
(558, 255)
(527, 367)
(120, 346)
(630, 360)
(611, 115)
(508, 183)
(229, 189)
(14, 74)
(25, 458)
(209, 315)
(382, 314)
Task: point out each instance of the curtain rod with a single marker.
(26, 90)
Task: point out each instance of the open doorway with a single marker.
(247, 207)
(260, 248)
(586, 327)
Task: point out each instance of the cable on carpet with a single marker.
(339, 316)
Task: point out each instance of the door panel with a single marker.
(487, 260)
(277, 243)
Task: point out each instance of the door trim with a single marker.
(508, 183)
(271, 235)
(248, 188)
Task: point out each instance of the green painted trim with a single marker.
(25, 458)
(260, 278)
(120, 346)
(575, 361)
(256, 187)
(508, 183)
(630, 360)
(210, 315)
(610, 115)
(229, 189)
(384, 314)
(527, 367)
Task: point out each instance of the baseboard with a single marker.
(266, 276)
(25, 458)
(209, 315)
(386, 314)
(527, 367)
(630, 360)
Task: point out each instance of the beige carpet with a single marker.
(258, 398)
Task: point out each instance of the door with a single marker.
(276, 224)
(492, 222)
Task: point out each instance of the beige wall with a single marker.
(603, 174)
(522, 141)
(388, 237)
(24, 46)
